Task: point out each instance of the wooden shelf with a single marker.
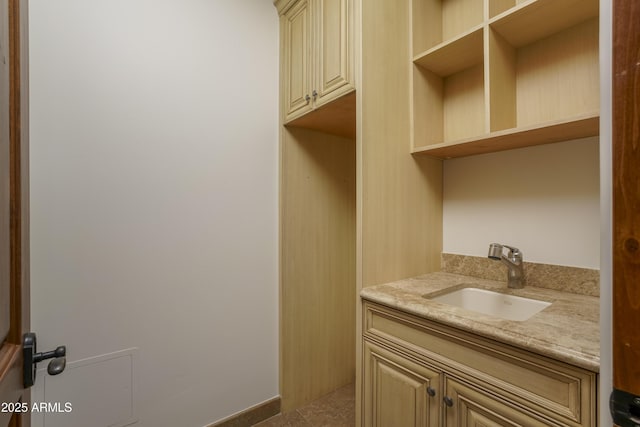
(545, 133)
(537, 19)
(502, 77)
(455, 55)
(338, 117)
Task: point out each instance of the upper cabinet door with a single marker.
(317, 56)
(296, 52)
(334, 67)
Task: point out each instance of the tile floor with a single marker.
(336, 409)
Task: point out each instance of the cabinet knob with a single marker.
(315, 94)
(431, 391)
(448, 401)
(307, 98)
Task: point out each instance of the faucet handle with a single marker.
(514, 253)
(512, 249)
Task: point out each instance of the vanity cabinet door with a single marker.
(468, 406)
(398, 392)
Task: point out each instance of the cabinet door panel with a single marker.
(296, 48)
(396, 391)
(334, 68)
(473, 408)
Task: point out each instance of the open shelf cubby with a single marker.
(526, 74)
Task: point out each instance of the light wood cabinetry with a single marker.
(499, 74)
(355, 209)
(317, 49)
(317, 265)
(317, 199)
(467, 380)
(453, 78)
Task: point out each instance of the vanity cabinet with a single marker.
(317, 58)
(499, 74)
(420, 373)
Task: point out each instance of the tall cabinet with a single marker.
(317, 198)
(356, 209)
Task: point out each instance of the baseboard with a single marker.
(251, 416)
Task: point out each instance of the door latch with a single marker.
(625, 408)
(31, 359)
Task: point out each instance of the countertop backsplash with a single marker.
(584, 281)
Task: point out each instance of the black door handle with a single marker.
(31, 359)
(57, 365)
(624, 408)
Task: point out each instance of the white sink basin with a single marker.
(507, 307)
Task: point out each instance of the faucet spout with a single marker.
(513, 260)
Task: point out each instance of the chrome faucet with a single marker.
(513, 260)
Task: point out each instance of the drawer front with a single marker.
(552, 388)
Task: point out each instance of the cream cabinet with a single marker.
(400, 392)
(317, 57)
(419, 373)
(317, 209)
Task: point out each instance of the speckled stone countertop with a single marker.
(568, 330)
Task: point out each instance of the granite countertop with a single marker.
(568, 330)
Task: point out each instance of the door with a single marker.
(334, 59)
(398, 392)
(626, 205)
(295, 37)
(14, 225)
(467, 406)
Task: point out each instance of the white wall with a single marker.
(154, 196)
(544, 200)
